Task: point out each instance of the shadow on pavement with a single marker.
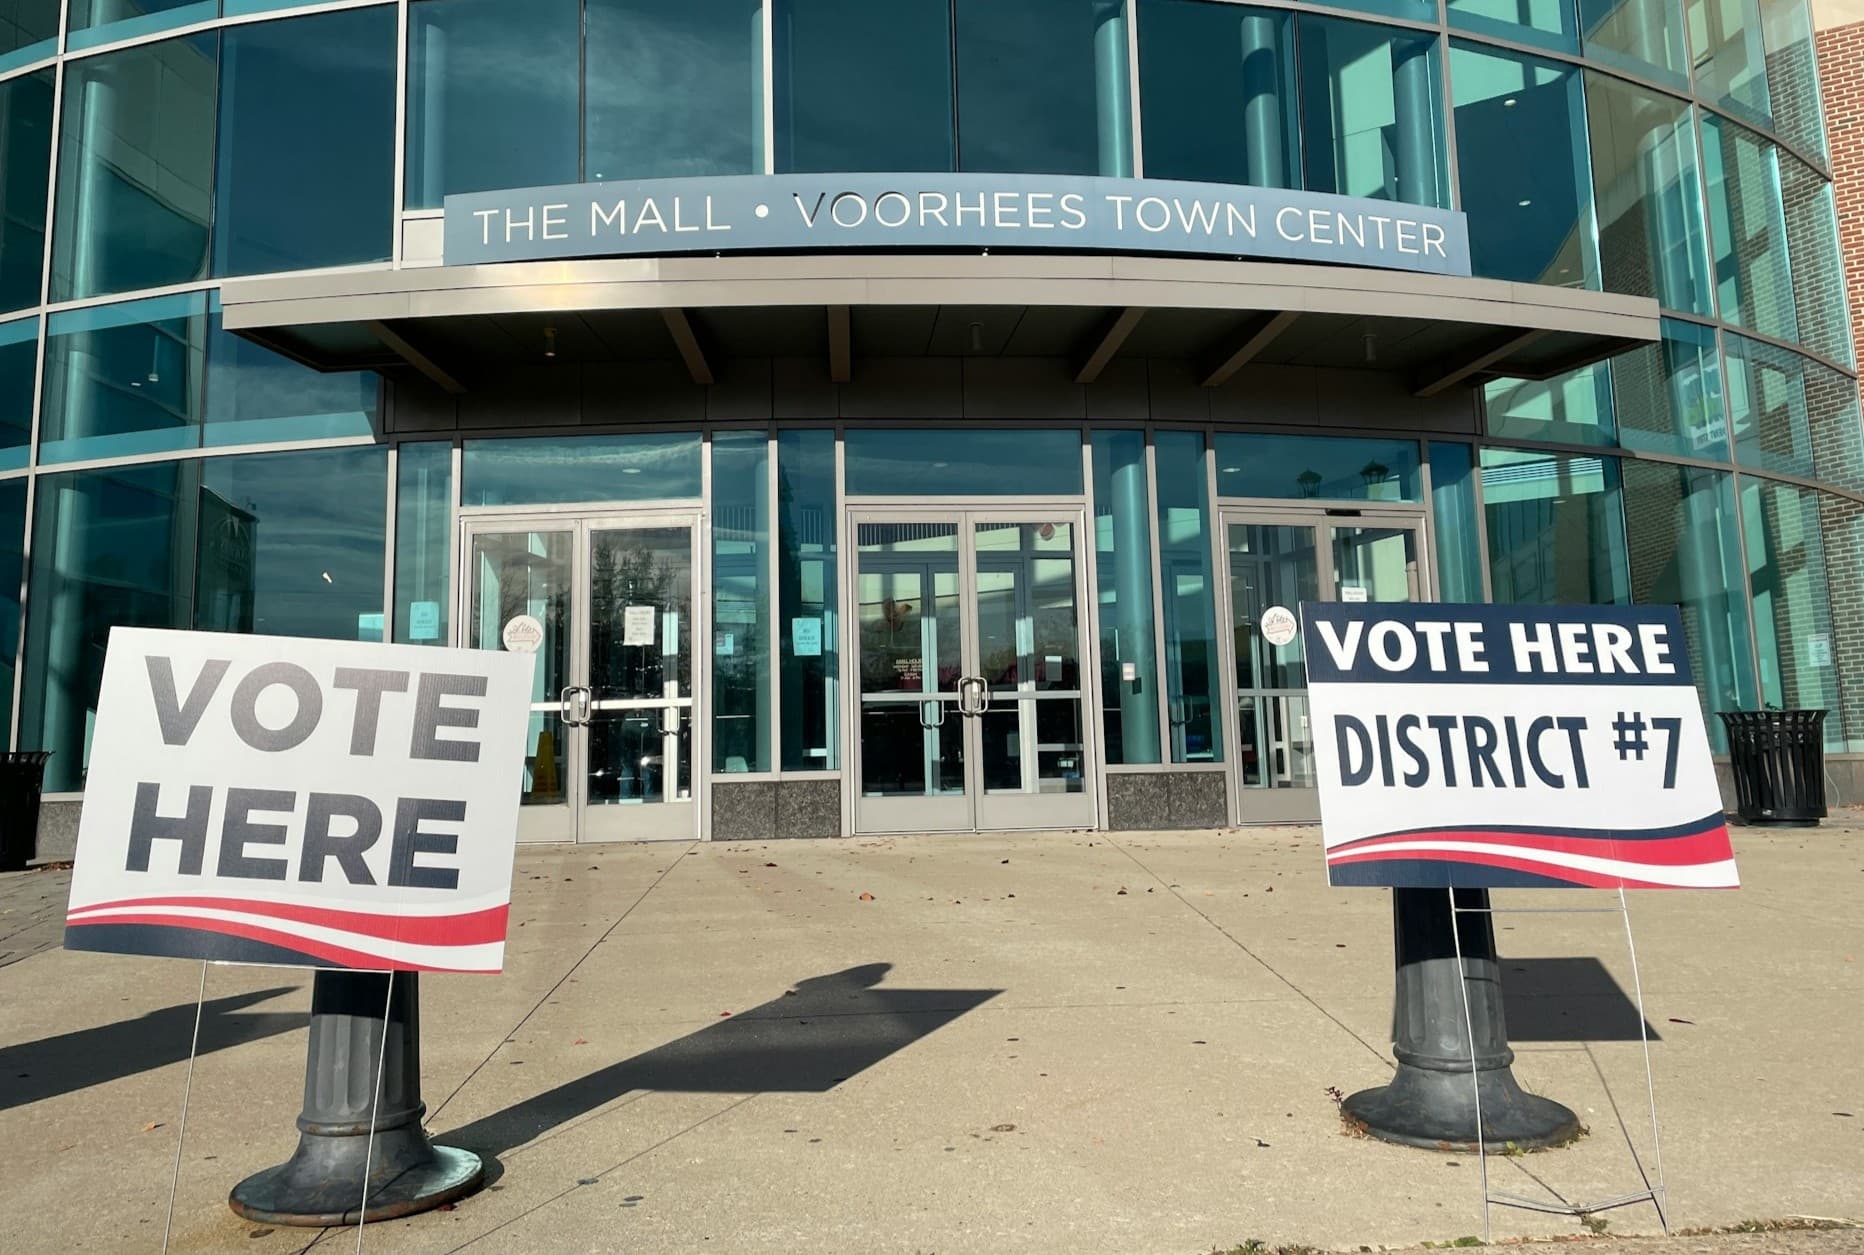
(1570, 999)
(36, 1070)
(825, 1030)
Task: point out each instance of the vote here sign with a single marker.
(259, 799)
(1511, 746)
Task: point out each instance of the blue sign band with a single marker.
(823, 212)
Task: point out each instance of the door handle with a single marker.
(934, 705)
(965, 704)
(577, 705)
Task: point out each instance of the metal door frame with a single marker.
(1272, 806)
(971, 812)
(571, 823)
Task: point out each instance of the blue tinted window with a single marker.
(26, 142)
(1792, 415)
(1731, 61)
(423, 531)
(291, 544)
(1123, 558)
(555, 470)
(96, 22)
(12, 572)
(1530, 221)
(19, 360)
(806, 580)
(1812, 247)
(477, 121)
(888, 462)
(1641, 37)
(674, 90)
(1372, 112)
(1043, 87)
(1668, 396)
(863, 86)
(1647, 189)
(1747, 225)
(1556, 529)
(741, 722)
(1334, 468)
(28, 32)
(1192, 677)
(135, 170)
(1217, 83)
(254, 394)
(306, 143)
(1574, 408)
(124, 379)
(1792, 605)
(1454, 522)
(1548, 23)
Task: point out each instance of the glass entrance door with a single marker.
(1280, 559)
(969, 699)
(612, 748)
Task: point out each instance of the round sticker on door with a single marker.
(1278, 625)
(523, 635)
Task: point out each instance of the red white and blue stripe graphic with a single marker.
(1689, 856)
(251, 930)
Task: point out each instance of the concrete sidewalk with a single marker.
(1066, 1042)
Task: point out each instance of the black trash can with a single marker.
(1778, 759)
(21, 777)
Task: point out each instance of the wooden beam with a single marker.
(1097, 352)
(1448, 376)
(686, 340)
(840, 344)
(1257, 336)
(415, 358)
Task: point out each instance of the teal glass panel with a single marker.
(1453, 521)
(1668, 396)
(1818, 273)
(493, 96)
(809, 627)
(1842, 521)
(95, 22)
(111, 548)
(1648, 194)
(19, 365)
(423, 535)
(26, 136)
(135, 169)
(255, 395)
(942, 462)
(741, 685)
(1685, 548)
(1753, 282)
(1408, 10)
(1574, 408)
(1330, 468)
(292, 544)
(1641, 37)
(1792, 415)
(28, 32)
(1372, 112)
(1192, 674)
(306, 169)
(1530, 221)
(12, 575)
(1123, 562)
(1787, 575)
(1555, 527)
(1043, 87)
(122, 380)
(245, 8)
(1546, 23)
(863, 86)
(1730, 58)
(1793, 74)
(1217, 82)
(673, 90)
(556, 470)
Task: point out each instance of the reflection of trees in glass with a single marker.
(634, 569)
(229, 550)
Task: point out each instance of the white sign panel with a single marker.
(1278, 625)
(1511, 746)
(637, 625)
(260, 799)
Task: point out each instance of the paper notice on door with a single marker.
(1352, 592)
(1819, 650)
(637, 625)
(806, 638)
(725, 644)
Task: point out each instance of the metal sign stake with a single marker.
(187, 1090)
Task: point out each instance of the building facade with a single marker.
(856, 478)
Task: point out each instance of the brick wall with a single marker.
(1841, 75)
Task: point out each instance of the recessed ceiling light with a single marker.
(630, 470)
(1524, 203)
(1508, 103)
(1231, 470)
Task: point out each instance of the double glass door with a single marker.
(969, 702)
(1278, 559)
(607, 603)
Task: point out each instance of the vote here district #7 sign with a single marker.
(1511, 746)
(256, 799)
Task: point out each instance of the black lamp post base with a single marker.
(1437, 1111)
(312, 1189)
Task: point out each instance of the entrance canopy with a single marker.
(465, 326)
